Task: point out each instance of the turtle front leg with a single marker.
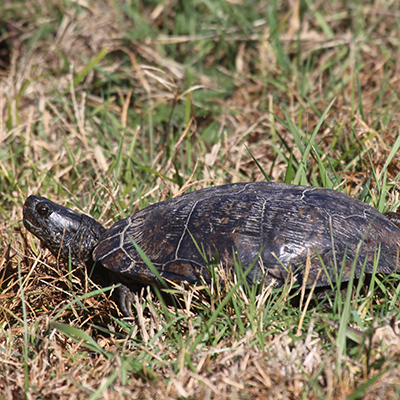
(125, 300)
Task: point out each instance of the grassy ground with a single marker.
(109, 106)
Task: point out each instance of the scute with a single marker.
(271, 224)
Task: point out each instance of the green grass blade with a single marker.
(81, 75)
(149, 264)
(79, 336)
(82, 297)
(304, 159)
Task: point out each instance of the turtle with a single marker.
(268, 228)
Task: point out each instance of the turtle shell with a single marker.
(274, 227)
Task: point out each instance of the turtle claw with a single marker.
(126, 300)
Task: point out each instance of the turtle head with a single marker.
(67, 234)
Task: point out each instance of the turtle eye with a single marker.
(42, 209)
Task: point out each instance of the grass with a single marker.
(108, 107)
